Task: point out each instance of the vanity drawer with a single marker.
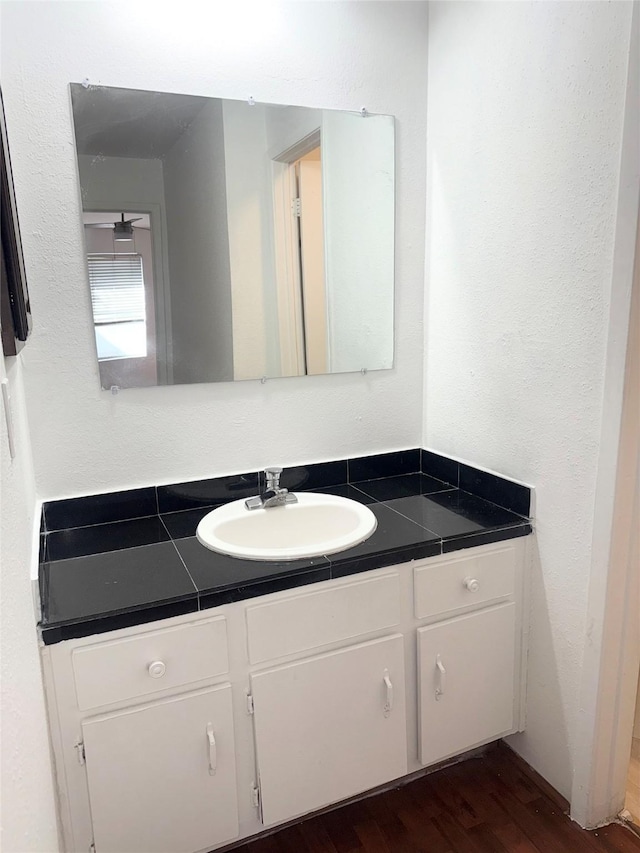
(464, 582)
(311, 620)
(158, 660)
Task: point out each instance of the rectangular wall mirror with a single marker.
(227, 240)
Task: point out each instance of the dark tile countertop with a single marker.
(102, 568)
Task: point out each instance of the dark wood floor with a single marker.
(492, 804)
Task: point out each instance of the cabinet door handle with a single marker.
(388, 704)
(441, 676)
(213, 751)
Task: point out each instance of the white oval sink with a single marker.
(317, 524)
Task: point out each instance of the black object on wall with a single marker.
(15, 316)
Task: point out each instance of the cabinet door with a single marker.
(162, 777)
(466, 673)
(329, 727)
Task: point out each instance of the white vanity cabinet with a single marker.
(468, 667)
(161, 776)
(144, 742)
(329, 727)
(466, 678)
(188, 734)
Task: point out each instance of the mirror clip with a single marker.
(251, 101)
(363, 112)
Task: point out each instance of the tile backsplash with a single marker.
(414, 463)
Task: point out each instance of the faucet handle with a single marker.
(273, 477)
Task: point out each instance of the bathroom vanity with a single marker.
(308, 685)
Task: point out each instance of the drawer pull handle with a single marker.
(471, 584)
(441, 676)
(388, 704)
(213, 750)
(156, 669)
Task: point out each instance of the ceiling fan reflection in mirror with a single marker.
(122, 230)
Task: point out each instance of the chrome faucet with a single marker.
(273, 495)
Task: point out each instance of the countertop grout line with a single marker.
(175, 547)
(215, 505)
(358, 489)
(392, 552)
(419, 495)
(417, 523)
(386, 477)
(102, 523)
(259, 581)
(392, 476)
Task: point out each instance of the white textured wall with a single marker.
(27, 815)
(525, 124)
(251, 243)
(195, 195)
(358, 192)
(337, 55)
